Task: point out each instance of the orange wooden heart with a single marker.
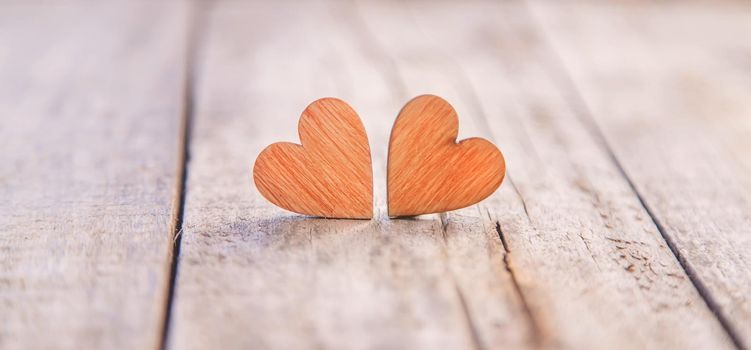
(428, 171)
(330, 174)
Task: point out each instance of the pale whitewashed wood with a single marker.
(90, 111)
(591, 265)
(254, 276)
(673, 99)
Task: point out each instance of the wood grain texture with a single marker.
(91, 106)
(592, 267)
(330, 175)
(672, 98)
(253, 276)
(428, 171)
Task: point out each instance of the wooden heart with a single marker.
(330, 174)
(428, 171)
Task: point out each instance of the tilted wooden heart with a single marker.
(330, 174)
(428, 171)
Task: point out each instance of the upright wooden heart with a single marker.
(428, 171)
(330, 174)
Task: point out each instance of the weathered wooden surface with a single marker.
(623, 222)
(673, 99)
(582, 248)
(90, 109)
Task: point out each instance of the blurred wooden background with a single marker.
(128, 218)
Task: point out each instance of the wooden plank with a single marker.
(672, 98)
(91, 104)
(593, 268)
(253, 275)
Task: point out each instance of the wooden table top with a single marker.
(129, 219)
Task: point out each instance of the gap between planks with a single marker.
(195, 35)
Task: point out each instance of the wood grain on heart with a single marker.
(428, 171)
(330, 174)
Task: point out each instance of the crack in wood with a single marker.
(534, 326)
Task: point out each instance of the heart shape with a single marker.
(329, 174)
(428, 171)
